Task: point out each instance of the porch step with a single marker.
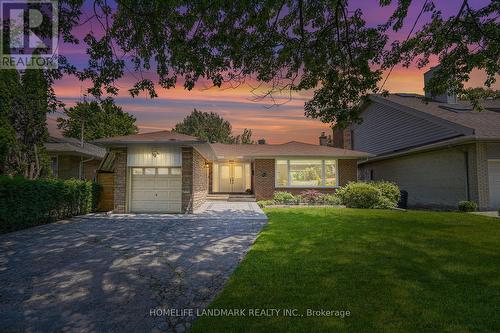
(232, 197)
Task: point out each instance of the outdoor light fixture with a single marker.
(154, 152)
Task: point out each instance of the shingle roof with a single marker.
(152, 137)
(71, 145)
(486, 124)
(292, 148)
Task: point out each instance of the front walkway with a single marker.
(108, 274)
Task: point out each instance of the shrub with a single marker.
(467, 206)
(360, 195)
(311, 197)
(331, 199)
(26, 203)
(282, 197)
(264, 203)
(390, 191)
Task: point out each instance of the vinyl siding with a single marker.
(387, 129)
(432, 179)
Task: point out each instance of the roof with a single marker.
(484, 124)
(73, 146)
(152, 137)
(292, 148)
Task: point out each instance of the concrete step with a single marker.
(232, 197)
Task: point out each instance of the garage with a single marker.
(156, 190)
(494, 183)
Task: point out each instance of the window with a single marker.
(163, 171)
(53, 165)
(149, 171)
(306, 173)
(137, 171)
(175, 171)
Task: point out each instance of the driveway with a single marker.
(110, 273)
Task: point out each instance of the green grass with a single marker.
(394, 271)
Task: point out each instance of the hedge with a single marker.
(25, 203)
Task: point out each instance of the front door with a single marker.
(231, 177)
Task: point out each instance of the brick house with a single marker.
(167, 172)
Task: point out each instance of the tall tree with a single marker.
(96, 120)
(26, 108)
(10, 91)
(211, 127)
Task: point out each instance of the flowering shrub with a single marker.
(282, 197)
(311, 197)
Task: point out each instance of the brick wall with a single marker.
(194, 180)
(264, 178)
(120, 192)
(482, 176)
(348, 171)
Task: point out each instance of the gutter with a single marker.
(433, 146)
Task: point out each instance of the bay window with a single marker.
(306, 173)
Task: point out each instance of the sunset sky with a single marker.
(277, 124)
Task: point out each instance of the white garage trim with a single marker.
(494, 183)
(155, 190)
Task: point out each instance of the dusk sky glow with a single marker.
(277, 124)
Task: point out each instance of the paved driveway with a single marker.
(107, 273)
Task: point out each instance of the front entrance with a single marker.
(231, 177)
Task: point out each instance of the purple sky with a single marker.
(276, 124)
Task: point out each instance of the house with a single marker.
(438, 149)
(171, 172)
(70, 159)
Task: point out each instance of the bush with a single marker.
(390, 191)
(264, 203)
(26, 203)
(282, 197)
(331, 199)
(360, 195)
(467, 206)
(311, 197)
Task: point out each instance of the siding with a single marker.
(436, 179)
(141, 155)
(493, 151)
(386, 129)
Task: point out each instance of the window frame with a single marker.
(323, 172)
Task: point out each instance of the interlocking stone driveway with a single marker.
(98, 273)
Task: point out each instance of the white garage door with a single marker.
(494, 176)
(156, 190)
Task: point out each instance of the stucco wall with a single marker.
(433, 179)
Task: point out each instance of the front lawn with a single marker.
(393, 271)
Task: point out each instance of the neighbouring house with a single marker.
(438, 149)
(70, 159)
(167, 172)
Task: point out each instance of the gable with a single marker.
(386, 128)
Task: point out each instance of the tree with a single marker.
(25, 104)
(97, 120)
(290, 45)
(10, 88)
(211, 127)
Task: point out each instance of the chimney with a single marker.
(444, 98)
(261, 141)
(338, 137)
(323, 140)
